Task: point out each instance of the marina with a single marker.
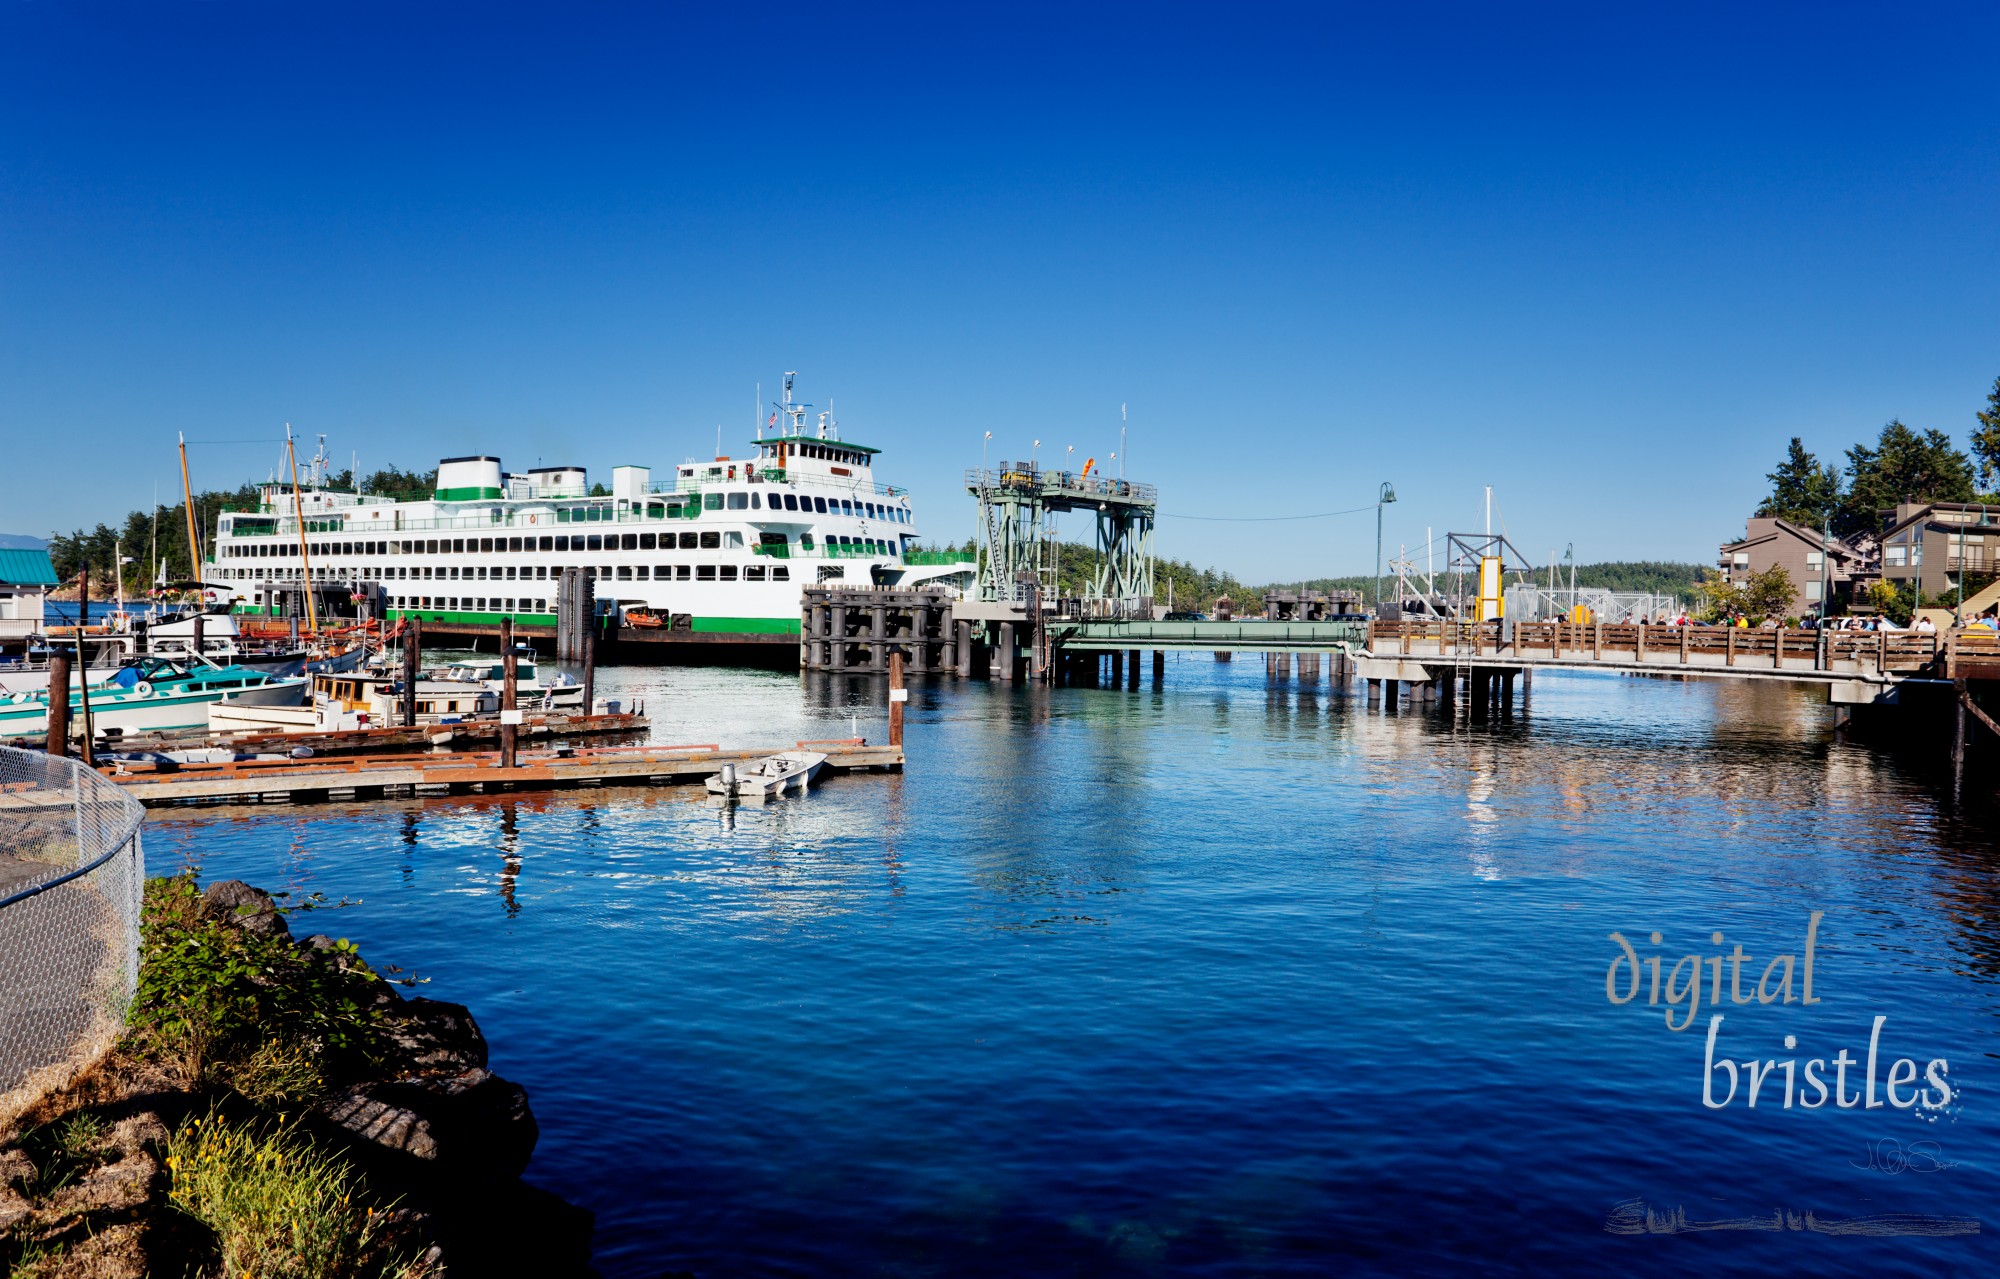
(1389, 668)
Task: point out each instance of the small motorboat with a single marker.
(644, 619)
(767, 777)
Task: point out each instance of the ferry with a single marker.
(718, 548)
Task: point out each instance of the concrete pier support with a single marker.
(1132, 669)
(1159, 665)
(1003, 655)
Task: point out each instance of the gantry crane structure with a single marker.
(1018, 503)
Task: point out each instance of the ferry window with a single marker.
(511, 572)
(711, 501)
(656, 510)
(541, 572)
(870, 508)
(805, 541)
(484, 546)
(704, 572)
(596, 542)
(458, 546)
(753, 573)
(513, 543)
(819, 505)
(548, 544)
(728, 572)
(624, 572)
(791, 502)
(680, 572)
(711, 541)
(649, 541)
(664, 572)
(733, 540)
(739, 501)
(689, 541)
(627, 542)
(779, 573)
(562, 544)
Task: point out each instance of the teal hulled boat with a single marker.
(154, 695)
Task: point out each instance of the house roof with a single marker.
(27, 568)
(1928, 514)
(1811, 537)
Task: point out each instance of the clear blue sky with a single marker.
(1606, 259)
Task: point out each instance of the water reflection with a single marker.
(1217, 977)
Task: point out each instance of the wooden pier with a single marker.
(384, 737)
(463, 772)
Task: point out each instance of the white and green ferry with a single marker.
(719, 548)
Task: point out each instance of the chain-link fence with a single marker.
(71, 878)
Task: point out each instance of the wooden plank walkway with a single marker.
(1872, 657)
(465, 771)
(384, 737)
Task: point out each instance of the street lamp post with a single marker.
(1383, 497)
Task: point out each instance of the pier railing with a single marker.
(1784, 649)
(71, 876)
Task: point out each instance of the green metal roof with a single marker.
(814, 439)
(27, 568)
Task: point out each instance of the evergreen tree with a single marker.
(1802, 490)
(1986, 440)
(1902, 467)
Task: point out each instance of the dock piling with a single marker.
(58, 702)
(898, 695)
(413, 645)
(509, 691)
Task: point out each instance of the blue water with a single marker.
(1218, 979)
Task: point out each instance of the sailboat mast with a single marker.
(187, 505)
(299, 509)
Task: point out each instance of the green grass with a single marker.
(278, 1206)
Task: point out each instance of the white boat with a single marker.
(770, 776)
(153, 695)
(561, 693)
(717, 549)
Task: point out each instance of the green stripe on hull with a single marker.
(709, 625)
(473, 619)
(747, 625)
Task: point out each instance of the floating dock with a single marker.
(463, 772)
(383, 737)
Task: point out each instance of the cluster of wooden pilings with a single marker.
(850, 629)
(1279, 667)
(1480, 690)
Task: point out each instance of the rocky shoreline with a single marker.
(425, 1128)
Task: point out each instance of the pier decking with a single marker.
(463, 772)
(1856, 666)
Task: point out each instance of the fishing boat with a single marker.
(154, 694)
(768, 777)
(717, 549)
